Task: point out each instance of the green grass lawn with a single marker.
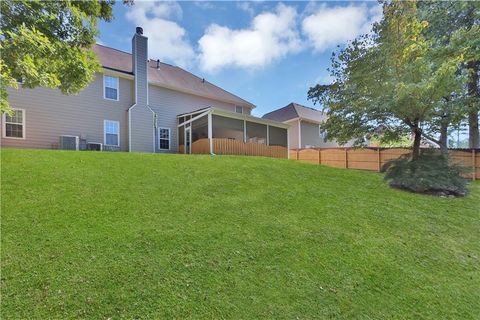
(119, 235)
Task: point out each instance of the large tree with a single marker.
(392, 82)
(455, 24)
(45, 43)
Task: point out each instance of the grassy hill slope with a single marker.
(110, 235)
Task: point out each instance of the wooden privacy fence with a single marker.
(374, 159)
(236, 147)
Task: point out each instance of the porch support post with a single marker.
(210, 134)
(300, 133)
(268, 135)
(244, 131)
(288, 143)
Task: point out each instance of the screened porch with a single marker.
(216, 131)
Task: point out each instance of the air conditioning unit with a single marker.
(69, 142)
(94, 146)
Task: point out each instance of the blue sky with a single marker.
(266, 52)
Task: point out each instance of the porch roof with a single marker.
(234, 115)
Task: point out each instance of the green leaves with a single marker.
(47, 44)
(398, 77)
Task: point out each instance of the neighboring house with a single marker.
(133, 104)
(304, 131)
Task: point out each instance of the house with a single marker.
(304, 131)
(135, 104)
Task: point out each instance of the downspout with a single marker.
(130, 127)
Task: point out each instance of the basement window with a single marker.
(110, 88)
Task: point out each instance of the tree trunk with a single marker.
(417, 138)
(473, 91)
(444, 138)
(473, 133)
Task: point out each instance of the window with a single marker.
(14, 125)
(164, 138)
(110, 88)
(238, 109)
(111, 131)
(321, 133)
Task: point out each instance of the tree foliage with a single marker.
(397, 80)
(432, 174)
(45, 43)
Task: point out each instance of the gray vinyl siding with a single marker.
(49, 114)
(140, 57)
(311, 137)
(141, 126)
(141, 117)
(293, 134)
(167, 104)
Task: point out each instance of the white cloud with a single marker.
(327, 26)
(246, 6)
(204, 5)
(167, 40)
(271, 36)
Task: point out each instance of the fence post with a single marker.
(474, 165)
(297, 154)
(319, 156)
(379, 160)
(346, 158)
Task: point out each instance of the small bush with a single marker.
(431, 174)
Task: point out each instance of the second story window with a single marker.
(110, 88)
(238, 109)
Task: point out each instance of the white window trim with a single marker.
(240, 108)
(118, 90)
(4, 125)
(169, 138)
(105, 133)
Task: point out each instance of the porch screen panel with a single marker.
(181, 136)
(200, 129)
(227, 128)
(256, 133)
(277, 136)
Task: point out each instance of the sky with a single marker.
(267, 52)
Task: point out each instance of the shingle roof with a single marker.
(166, 75)
(295, 110)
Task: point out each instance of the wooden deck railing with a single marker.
(235, 147)
(374, 158)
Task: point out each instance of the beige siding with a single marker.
(50, 114)
(167, 104)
